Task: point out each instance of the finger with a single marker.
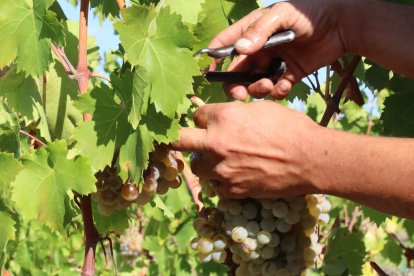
(260, 30)
(236, 91)
(231, 34)
(260, 89)
(191, 139)
(204, 114)
(203, 166)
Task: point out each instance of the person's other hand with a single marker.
(319, 41)
(252, 150)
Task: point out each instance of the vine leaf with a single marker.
(27, 29)
(160, 204)
(345, 252)
(10, 168)
(22, 96)
(99, 155)
(160, 43)
(134, 92)
(41, 187)
(7, 232)
(133, 156)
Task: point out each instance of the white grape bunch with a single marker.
(161, 175)
(264, 237)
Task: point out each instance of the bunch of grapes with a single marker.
(162, 174)
(131, 242)
(265, 237)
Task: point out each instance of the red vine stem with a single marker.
(33, 137)
(193, 184)
(121, 4)
(91, 235)
(333, 103)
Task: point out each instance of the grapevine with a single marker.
(86, 161)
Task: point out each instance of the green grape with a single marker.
(239, 234)
(264, 237)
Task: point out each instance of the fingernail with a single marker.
(283, 88)
(243, 44)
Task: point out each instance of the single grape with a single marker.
(325, 206)
(323, 218)
(250, 210)
(274, 241)
(239, 234)
(143, 198)
(129, 192)
(282, 226)
(115, 182)
(205, 246)
(219, 242)
(160, 152)
(280, 209)
(264, 237)
(235, 208)
(108, 197)
(170, 173)
(249, 245)
(150, 184)
(252, 228)
(210, 191)
(268, 224)
(162, 186)
(180, 165)
(267, 252)
(194, 243)
(205, 258)
(292, 217)
(242, 270)
(219, 256)
(176, 183)
(266, 213)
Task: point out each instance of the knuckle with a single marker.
(224, 171)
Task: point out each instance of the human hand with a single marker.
(252, 149)
(319, 41)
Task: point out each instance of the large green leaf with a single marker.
(345, 253)
(27, 29)
(41, 187)
(159, 42)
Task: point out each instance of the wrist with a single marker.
(319, 157)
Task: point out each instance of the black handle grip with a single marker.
(276, 69)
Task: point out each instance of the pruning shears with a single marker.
(276, 68)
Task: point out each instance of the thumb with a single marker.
(256, 35)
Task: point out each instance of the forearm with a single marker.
(374, 171)
(381, 31)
